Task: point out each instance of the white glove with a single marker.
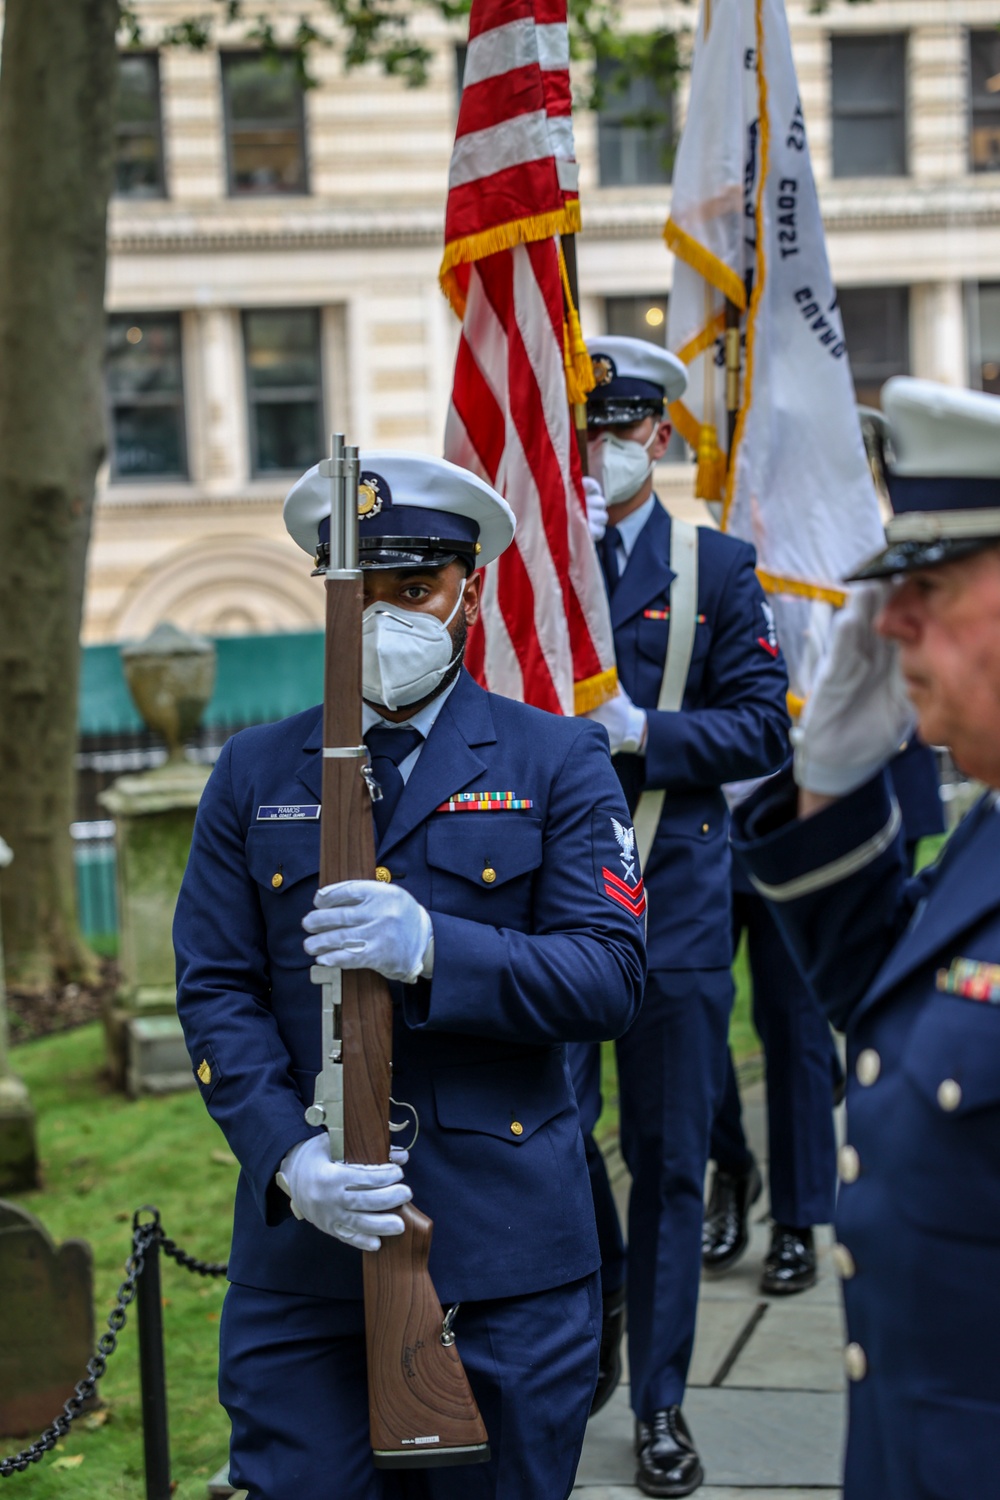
(351, 1202)
(597, 508)
(857, 715)
(626, 724)
(365, 924)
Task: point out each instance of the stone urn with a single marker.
(171, 676)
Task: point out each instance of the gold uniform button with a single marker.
(381, 873)
(855, 1362)
(516, 1128)
(704, 827)
(869, 1066)
(848, 1164)
(277, 880)
(204, 1072)
(949, 1094)
(843, 1262)
(489, 875)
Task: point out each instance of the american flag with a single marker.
(545, 635)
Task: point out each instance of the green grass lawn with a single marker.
(104, 1156)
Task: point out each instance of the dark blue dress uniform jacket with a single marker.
(919, 1204)
(733, 725)
(540, 956)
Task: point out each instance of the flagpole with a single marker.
(578, 408)
(732, 375)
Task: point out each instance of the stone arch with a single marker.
(221, 585)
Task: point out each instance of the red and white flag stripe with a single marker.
(546, 636)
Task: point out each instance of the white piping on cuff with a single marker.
(837, 869)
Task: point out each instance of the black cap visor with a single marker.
(911, 556)
(387, 552)
(621, 411)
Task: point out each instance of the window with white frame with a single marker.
(144, 386)
(868, 98)
(284, 389)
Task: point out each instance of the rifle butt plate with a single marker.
(431, 1458)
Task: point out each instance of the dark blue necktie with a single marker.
(608, 552)
(387, 748)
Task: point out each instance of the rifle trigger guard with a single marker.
(447, 1334)
(395, 1128)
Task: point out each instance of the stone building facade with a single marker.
(274, 255)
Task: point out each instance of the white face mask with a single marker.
(621, 466)
(404, 654)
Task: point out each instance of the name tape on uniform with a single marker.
(288, 812)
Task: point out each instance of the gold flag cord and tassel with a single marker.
(579, 370)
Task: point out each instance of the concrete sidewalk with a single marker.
(765, 1399)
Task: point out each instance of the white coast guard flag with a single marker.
(745, 224)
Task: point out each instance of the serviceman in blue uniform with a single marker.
(910, 967)
(493, 919)
(801, 1176)
(702, 703)
(801, 1169)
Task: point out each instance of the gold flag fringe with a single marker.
(591, 692)
(565, 220)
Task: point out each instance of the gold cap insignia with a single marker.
(369, 499)
(603, 370)
(204, 1072)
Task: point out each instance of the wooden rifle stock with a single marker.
(422, 1411)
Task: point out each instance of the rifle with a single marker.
(422, 1412)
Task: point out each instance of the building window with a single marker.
(284, 389)
(645, 318)
(635, 127)
(869, 106)
(984, 102)
(877, 330)
(265, 124)
(138, 137)
(145, 392)
(984, 339)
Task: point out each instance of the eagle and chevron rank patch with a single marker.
(769, 640)
(623, 885)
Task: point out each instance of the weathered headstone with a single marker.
(18, 1153)
(171, 676)
(47, 1325)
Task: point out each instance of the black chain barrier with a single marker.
(147, 1239)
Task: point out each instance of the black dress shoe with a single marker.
(724, 1235)
(609, 1371)
(668, 1461)
(790, 1265)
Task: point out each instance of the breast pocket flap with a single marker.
(509, 1100)
(279, 855)
(486, 848)
(956, 1042)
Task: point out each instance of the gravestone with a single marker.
(47, 1326)
(18, 1152)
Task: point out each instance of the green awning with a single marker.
(259, 678)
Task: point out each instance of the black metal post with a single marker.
(152, 1376)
